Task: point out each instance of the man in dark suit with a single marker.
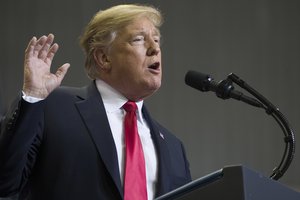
(68, 143)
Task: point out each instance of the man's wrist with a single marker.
(30, 99)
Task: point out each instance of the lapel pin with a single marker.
(161, 135)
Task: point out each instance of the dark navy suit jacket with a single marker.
(62, 148)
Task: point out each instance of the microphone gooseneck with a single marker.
(225, 90)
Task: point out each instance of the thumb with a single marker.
(61, 71)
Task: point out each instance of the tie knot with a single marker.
(130, 106)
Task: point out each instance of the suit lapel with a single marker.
(162, 154)
(93, 113)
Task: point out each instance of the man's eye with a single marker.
(156, 39)
(137, 39)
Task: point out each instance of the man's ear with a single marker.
(101, 59)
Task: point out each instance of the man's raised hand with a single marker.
(38, 80)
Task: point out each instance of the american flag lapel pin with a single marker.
(161, 135)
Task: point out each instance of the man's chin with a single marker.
(150, 90)
(153, 88)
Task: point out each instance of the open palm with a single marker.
(38, 80)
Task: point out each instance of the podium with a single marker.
(233, 183)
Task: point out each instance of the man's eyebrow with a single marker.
(142, 32)
(157, 32)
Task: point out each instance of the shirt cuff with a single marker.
(31, 99)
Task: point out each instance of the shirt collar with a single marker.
(113, 100)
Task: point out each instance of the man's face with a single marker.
(135, 60)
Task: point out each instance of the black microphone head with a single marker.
(198, 80)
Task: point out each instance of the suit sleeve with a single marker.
(20, 138)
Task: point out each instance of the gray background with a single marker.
(259, 40)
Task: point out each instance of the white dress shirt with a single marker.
(113, 102)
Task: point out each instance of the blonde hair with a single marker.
(102, 29)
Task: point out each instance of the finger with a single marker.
(51, 53)
(61, 72)
(30, 47)
(46, 46)
(39, 44)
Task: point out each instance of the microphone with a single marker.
(223, 89)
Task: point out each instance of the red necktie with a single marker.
(135, 172)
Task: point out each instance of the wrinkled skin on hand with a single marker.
(39, 82)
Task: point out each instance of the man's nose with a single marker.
(153, 49)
